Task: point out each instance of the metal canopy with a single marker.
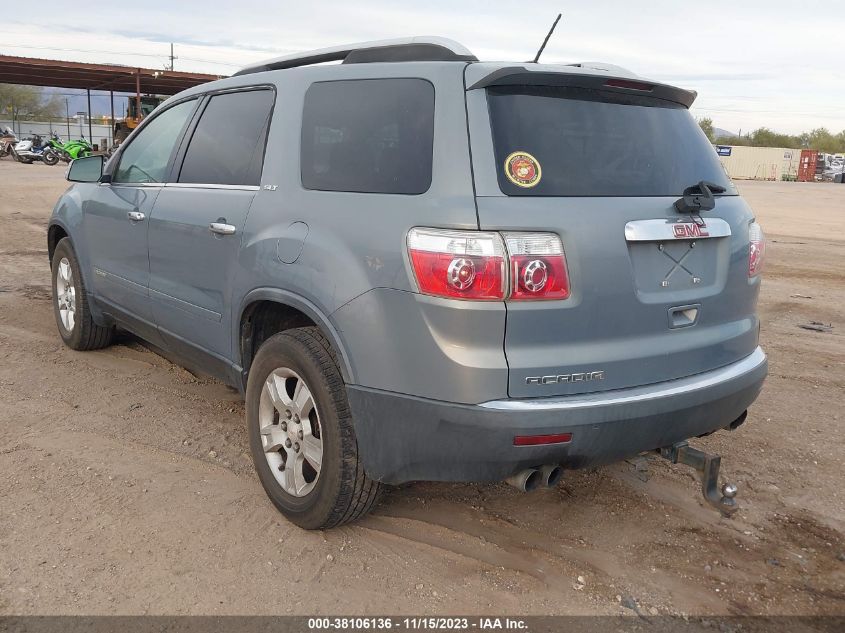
(61, 74)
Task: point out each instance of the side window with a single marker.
(368, 136)
(227, 147)
(145, 158)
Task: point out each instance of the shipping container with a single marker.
(808, 166)
(759, 163)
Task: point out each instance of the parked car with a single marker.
(419, 266)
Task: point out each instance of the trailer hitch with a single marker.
(707, 466)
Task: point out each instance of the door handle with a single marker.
(221, 228)
(135, 216)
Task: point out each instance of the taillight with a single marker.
(458, 264)
(756, 249)
(537, 266)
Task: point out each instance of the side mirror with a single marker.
(87, 169)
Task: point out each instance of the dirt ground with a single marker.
(126, 486)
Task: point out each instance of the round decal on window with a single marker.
(522, 169)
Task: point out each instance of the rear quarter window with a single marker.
(597, 143)
(368, 136)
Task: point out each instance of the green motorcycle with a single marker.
(71, 150)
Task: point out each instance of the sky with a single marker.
(777, 63)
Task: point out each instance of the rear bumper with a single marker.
(403, 438)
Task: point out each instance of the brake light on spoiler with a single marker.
(488, 266)
(629, 85)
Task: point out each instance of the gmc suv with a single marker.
(419, 266)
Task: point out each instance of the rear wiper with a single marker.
(699, 198)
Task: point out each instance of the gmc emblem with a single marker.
(685, 231)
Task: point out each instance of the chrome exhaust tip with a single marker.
(526, 480)
(551, 475)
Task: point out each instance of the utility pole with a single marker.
(138, 96)
(67, 116)
(171, 56)
(90, 132)
(111, 127)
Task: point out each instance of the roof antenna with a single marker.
(546, 41)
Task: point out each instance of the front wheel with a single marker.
(70, 303)
(301, 434)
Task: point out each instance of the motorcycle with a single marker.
(32, 149)
(71, 150)
(8, 140)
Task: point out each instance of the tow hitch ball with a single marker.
(707, 467)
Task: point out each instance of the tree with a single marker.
(819, 139)
(706, 125)
(28, 102)
(822, 140)
(733, 140)
(764, 137)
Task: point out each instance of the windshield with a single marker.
(562, 141)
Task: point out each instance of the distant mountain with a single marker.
(719, 132)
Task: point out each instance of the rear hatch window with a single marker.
(565, 141)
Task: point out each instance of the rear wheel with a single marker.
(301, 434)
(70, 304)
(50, 157)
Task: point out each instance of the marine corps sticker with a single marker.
(522, 169)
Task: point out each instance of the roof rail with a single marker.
(407, 49)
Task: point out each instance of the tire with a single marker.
(337, 492)
(50, 158)
(70, 303)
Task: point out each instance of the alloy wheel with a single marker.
(66, 294)
(290, 431)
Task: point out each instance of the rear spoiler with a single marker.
(521, 76)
